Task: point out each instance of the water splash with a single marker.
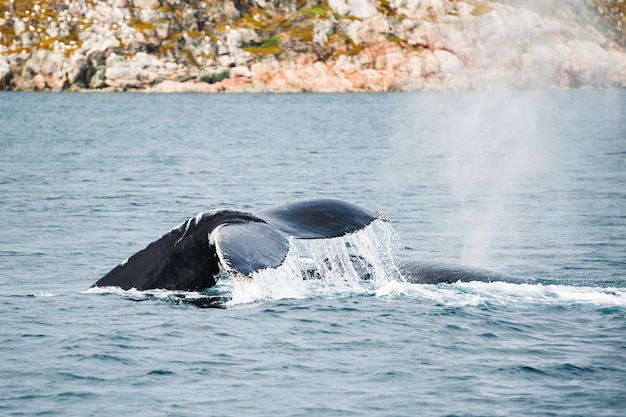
(352, 264)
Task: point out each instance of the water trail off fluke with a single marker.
(355, 263)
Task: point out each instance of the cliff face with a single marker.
(309, 45)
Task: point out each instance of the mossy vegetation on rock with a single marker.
(615, 12)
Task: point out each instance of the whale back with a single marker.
(448, 273)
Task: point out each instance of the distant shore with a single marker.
(308, 46)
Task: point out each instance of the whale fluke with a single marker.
(192, 255)
(321, 218)
(244, 248)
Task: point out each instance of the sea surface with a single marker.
(526, 183)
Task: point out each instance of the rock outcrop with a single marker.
(309, 45)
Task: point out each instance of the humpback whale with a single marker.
(193, 255)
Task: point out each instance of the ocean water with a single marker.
(527, 183)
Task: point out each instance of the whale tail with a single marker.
(192, 255)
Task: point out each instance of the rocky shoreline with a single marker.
(308, 45)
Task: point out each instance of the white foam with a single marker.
(326, 267)
(287, 282)
(45, 294)
(502, 294)
(137, 295)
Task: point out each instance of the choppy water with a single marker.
(531, 184)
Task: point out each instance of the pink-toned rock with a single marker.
(39, 82)
(277, 83)
(331, 84)
(263, 67)
(373, 80)
(146, 4)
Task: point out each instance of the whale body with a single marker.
(194, 254)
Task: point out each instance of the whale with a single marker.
(195, 254)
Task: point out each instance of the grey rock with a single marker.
(362, 9)
(321, 30)
(6, 74)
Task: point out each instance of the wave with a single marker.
(231, 293)
(502, 295)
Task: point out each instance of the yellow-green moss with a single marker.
(139, 25)
(395, 39)
(315, 11)
(269, 46)
(302, 33)
(5, 30)
(386, 8)
(196, 34)
(480, 9)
